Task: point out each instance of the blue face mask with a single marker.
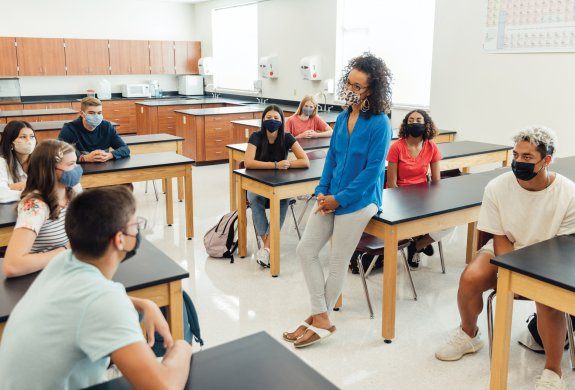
(94, 120)
(271, 125)
(72, 177)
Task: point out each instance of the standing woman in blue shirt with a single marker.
(349, 192)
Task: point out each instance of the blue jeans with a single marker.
(258, 206)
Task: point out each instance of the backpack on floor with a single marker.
(221, 241)
(535, 344)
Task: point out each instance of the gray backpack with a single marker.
(221, 240)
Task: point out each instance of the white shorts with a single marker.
(488, 248)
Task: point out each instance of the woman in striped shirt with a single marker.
(39, 232)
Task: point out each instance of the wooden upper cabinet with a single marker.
(129, 57)
(162, 59)
(41, 56)
(87, 57)
(187, 56)
(9, 62)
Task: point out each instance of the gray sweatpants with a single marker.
(345, 232)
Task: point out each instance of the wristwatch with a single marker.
(275, 165)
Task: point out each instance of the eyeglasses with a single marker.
(355, 87)
(142, 223)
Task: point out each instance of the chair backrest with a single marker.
(316, 154)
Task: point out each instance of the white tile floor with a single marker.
(235, 300)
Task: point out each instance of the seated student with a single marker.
(520, 208)
(268, 149)
(92, 136)
(306, 123)
(410, 158)
(17, 143)
(39, 232)
(74, 318)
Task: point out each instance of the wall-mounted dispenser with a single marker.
(268, 67)
(310, 68)
(206, 66)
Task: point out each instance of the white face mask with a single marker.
(26, 147)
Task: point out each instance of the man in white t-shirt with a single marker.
(530, 204)
(74, 318)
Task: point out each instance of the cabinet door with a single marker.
(194, 54)
(119, 57)
(139, 57)
(181, 57)
(162, 57)
(87, 57)
(187, 56)
(41, 56)
(10, 107)
(9, 63)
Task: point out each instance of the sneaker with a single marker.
(458, 345)
(549, 380)
(412, 257)
(263, 257)
(428, 250)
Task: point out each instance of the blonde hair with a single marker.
(307, 98)
(542, 137)
(89, 102)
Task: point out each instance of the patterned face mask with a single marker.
(350, 98)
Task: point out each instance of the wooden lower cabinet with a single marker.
(122, 112)
(241, 133)
(206, 137)
(64, 117)
(10, 107)
(46, 106)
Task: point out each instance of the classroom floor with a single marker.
(235, 300)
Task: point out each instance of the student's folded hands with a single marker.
(326, 204)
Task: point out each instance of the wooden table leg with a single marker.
(472, 236)
(508, 159)
(274, 232)
(502, 335)
(180, 189)
(175, 310)
(232, 166)
(339, 302)
(164, 181)
(242, 219)
(389, 283)
(465, 169)
(189, 196)
(169, 202)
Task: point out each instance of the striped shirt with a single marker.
(34, 214)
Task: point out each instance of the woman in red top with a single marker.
(410, 159)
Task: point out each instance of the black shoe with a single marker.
(428, 250)
(412, 259)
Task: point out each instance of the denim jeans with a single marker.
(258, 206)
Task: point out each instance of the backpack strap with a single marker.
(193, 318)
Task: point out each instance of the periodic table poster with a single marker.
(530, 26)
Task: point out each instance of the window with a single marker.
(401, 33)
(235, 47)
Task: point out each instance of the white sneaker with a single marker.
(458, 345)
(549, 380)
(263, 257)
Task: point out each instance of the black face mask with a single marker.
(131, 253)
(271, 125)
(524, 171)
(415, 129)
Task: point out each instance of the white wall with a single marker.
(487, 97)
(105, 19)
(290, 29)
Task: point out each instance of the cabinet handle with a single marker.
(218, 152)
(217, 119)
(218, 140)
(217, 128)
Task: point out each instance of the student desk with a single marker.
(256, 362)
(236, 153)
(144, 167)
(150, 275)
(545, 273)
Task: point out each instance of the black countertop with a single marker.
(220, 110)
(51, 111)
(149, 139)
(137, 161)
(190, 102)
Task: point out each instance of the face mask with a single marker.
(132, 253)
(350, 98)
(26, 147)
(72, 177)
(94, 120)
(415, 129)
(524, 171)
(307, 111)
(271, 125)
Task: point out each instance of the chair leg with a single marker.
(256, 233)
(146, 188)
(155, 189)
(490, 321)
(295, 221)
(304, 209)
(440, 245)
(365, 290)
(571, 341)
(371, 265)
(409, 274)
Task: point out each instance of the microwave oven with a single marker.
(136, 90)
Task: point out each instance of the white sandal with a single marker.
(319, 334)
(287, 334)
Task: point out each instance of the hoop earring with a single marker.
(365, 106)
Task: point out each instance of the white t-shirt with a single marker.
(527, 217)
(6, 176)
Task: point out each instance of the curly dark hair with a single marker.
(430, 129)
(379, 77)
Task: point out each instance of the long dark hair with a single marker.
(42, 179)
(280, 140)
(11, 132)
(379, 77)
(430, 129)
